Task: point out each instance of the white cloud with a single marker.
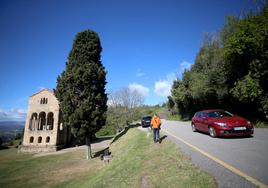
(163, 87)
(14, 114)
(144, 91)
(184, 65)
(140, 73)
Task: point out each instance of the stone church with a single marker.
(44, 130)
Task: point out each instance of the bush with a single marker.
(260, 124)
(106, 131)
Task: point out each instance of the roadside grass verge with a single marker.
(174, 117)
(260, 124)
(136, 162)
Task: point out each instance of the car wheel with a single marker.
(193, 128)
(212, 132)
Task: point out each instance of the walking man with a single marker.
(156, 123)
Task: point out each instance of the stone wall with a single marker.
(43, 130)
(37, 149)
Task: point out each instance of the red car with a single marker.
(221, 123)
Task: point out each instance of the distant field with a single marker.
(9, 129)
(137, 162)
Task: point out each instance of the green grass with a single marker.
(174, 117)
(136, 159)
(260, 124)
(25, 170)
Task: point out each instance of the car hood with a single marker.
(233, 121)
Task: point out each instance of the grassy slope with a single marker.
(136, 159)
(21, 170)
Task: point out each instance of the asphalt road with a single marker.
(248, 155)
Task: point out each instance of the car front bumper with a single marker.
(145, 124)
(232, 132)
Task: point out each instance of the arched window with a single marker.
(47, 139)
(41, 120)
(33, 121)
(43, 101)
(50, 120)
(31, 139)
(39, 139)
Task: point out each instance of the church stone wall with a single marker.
(43, 130)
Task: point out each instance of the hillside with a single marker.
(9, 129)
(136, 162)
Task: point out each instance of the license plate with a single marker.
(239, 128)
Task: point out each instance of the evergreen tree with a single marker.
(81, 88)
(230, 70)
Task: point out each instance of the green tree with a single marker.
(81, 88)
(203, 85)
(230, 70)
(246, 61)
(170, 104)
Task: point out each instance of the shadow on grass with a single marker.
(102, 138)
(3, 147)
(124, 131)
(162, 138)
(101, 153)
(105, 151)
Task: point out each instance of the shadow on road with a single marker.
(236, 137)
(227, 137)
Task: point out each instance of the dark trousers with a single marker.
(156, 134)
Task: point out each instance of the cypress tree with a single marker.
(81, 88)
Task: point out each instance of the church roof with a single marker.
(46, 89)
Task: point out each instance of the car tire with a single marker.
(212, 132)
(193, 128)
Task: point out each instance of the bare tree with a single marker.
(125, 98)
(123, 103)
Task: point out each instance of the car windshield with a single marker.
(219, 114)
(147, 118)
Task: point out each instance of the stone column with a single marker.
(30, 126)
(34, 123)
(39, 123)
(46, 121)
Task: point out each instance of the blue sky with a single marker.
(146, 43)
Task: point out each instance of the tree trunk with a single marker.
(88, 149)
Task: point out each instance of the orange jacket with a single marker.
(155, 122)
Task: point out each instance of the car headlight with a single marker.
(221, 124)
(250, 125)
